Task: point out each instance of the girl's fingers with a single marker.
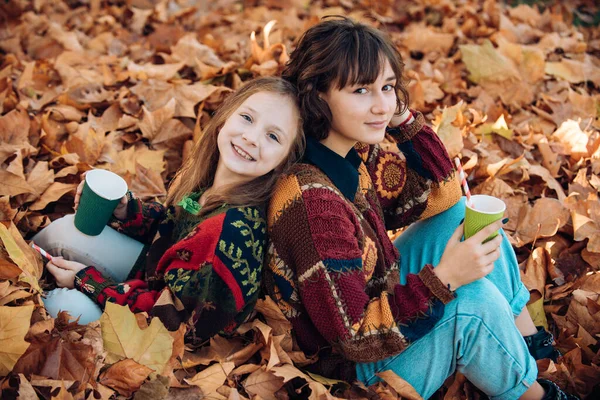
(458, 233)
(492, 245)
(492, 257)
(62, 263)
(54, 270)
(78, 194)
(487, 231)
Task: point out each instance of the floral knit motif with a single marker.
(390, 176)
(331, 267)
(204, 271)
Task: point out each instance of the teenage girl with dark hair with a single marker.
(425, 306)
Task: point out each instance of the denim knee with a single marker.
(74, 302)
(483, 299)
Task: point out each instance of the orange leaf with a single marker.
(402, 387)
(125, 376)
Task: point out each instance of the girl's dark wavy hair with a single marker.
(339, 51)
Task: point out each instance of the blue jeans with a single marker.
(477, 335)
(111, 252)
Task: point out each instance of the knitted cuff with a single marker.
(408, 130)
(434, 284)
(406, 118)
(91, 282)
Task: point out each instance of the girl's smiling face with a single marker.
(360, 113)
(256, 138)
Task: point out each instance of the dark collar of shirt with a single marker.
(343, 171)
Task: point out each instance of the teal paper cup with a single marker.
(101, 194)
(484, 211)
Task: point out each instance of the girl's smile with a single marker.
(256, 138)
(243, 154)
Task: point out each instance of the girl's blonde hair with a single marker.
(198, 170)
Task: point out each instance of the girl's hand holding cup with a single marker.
(119, 213)
(100, 194)
(465, 262)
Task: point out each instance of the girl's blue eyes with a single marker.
(270, 135)
(386, 88)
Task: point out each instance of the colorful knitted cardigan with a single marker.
(204, 271)
(331, 267)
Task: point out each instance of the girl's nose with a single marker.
(251, 137)
(379, 104)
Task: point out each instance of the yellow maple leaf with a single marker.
(22, 255)
(151, 159)
(14, 324)
(449, 129)
(123, 338)
(212, 378)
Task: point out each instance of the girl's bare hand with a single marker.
(465, 262)
(64, 271)
(121, 209)
(79, 190)
(399, 119)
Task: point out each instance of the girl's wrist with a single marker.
(441, 273)
(400, 120)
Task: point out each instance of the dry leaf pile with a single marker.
(128, 85)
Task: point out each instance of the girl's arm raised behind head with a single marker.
(417, 181)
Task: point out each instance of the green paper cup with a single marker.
(101, 194)
(483, 211)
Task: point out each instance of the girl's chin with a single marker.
(373, 139)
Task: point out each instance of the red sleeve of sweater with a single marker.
(415, 182)
(133, 293)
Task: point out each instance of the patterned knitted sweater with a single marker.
(204, 271)
(331, 267)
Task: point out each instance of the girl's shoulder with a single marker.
(227, 222)
(302, 177)
(300, 190)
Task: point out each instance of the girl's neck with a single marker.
(338, 144)
(222, 179)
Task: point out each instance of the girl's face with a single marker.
(360, 113)
(257, 137)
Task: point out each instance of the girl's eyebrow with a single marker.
(391, 78)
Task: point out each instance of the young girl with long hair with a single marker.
(198, 258)
(425, 306)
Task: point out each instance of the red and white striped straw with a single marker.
(463, 181)
(41, 251)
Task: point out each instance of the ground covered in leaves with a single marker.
(127, 86)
